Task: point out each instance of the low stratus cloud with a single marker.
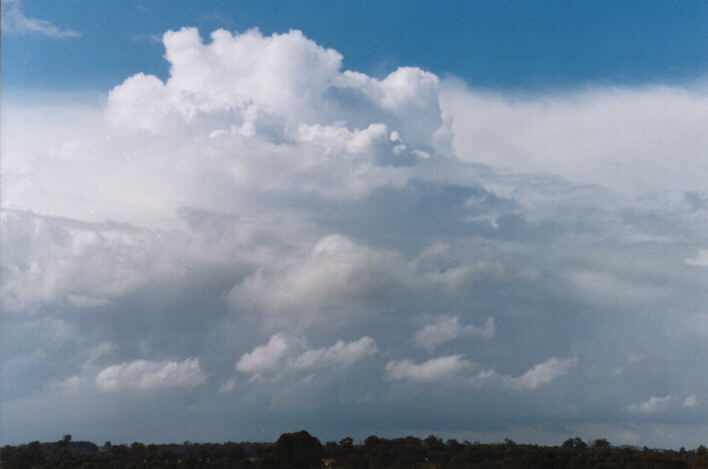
(269, 214)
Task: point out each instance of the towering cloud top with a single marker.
(271, 87)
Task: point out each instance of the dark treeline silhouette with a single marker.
(300, 450)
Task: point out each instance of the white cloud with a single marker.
(628, 437)
(448, 328)
(637, 139)
(14, 21)
(284, 352)
(335, 272)
(431, 335)
(701, 260)
(336, 276)
(616, 287)
(282, 117)
(86, 266)
(144, 375)
(268, 357)
(436, 369)
(339, 354)
(651, 405)
(542, 374)
(228, 386)
(690, 402)
(274, 87)
(536, 377)
(485, 378)
(261, 189)
(51, 330)
(68, 385)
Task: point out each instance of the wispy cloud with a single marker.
(14, 21)
(152, 39)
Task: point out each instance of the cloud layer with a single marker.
(403, 250)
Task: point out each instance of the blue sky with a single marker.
(482, 220)
(506, 44)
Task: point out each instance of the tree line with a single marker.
(300, 450)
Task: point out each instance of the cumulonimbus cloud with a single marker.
(261, 188)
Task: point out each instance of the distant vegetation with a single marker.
(301, 450)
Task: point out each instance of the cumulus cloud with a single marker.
(701, 260)
(543, 373)
(536, 377)
(652, 405)
(287, 91)
(339, 354)
(228, 386)
(68, 385)
(265, 115)
(690, 402)
(285, 352)
(268, 357)
(448, 328)
(14, 22)
(145, 375)
(435, 369)
(455, 366)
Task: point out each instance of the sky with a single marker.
(223, 221)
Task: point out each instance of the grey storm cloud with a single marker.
(268, 239)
